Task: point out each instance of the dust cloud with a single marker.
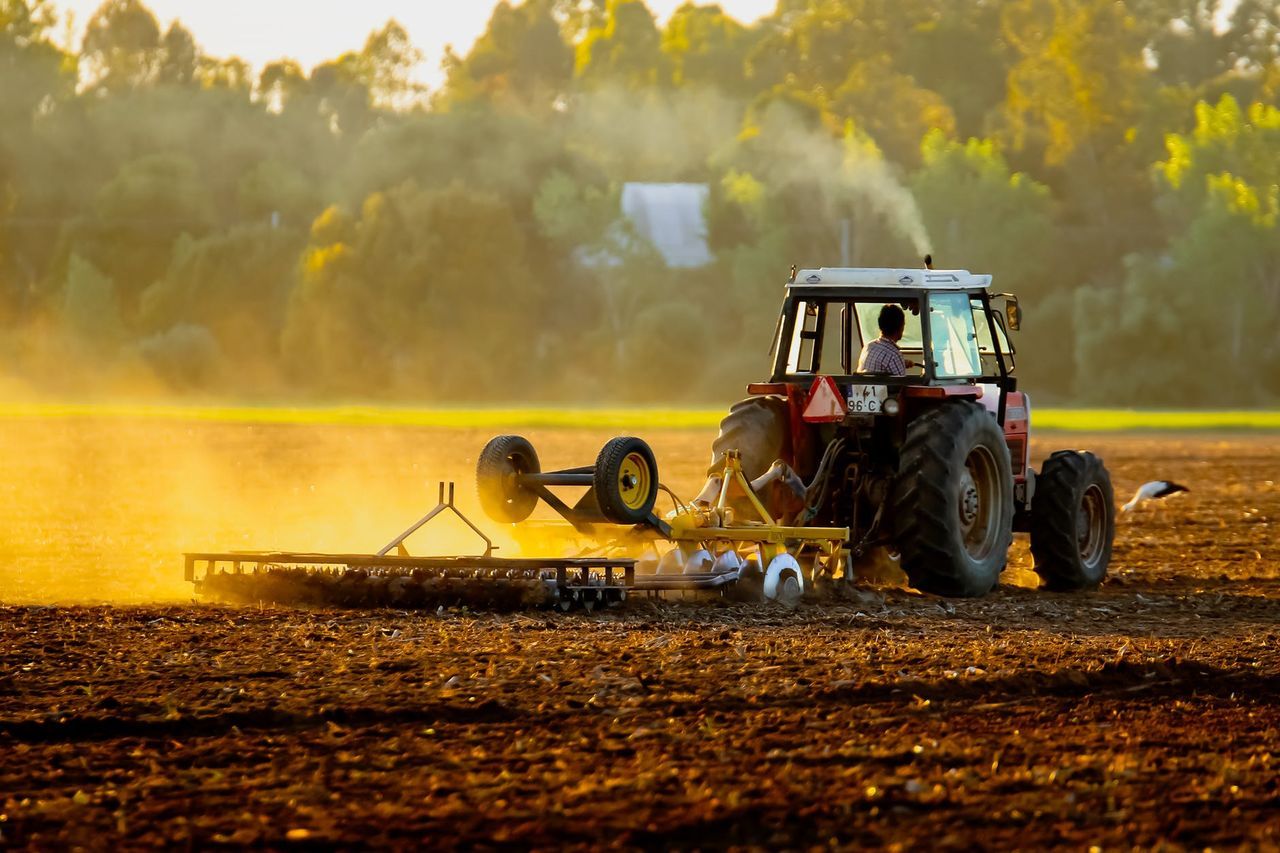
(102, 509)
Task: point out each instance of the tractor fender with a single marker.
(778, 567)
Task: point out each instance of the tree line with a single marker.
(175, 221)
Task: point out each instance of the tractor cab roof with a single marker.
(879, 279)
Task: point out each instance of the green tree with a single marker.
(1209, 301)
(122, 46)
(414, 297)
(892, 108)
(1200, 44)
(625, 49)
(1077, 85)
(489, 149)
(952, 36)
(35, 75)
(32, 68)
(136, 219)
(521, 60)
(982, 215)
(186, 357)
(91, 308)
(234, 284)
(853, 58)
(233, 75)
(281, 84)
(387, 64)
(179, 57)
(707, 48)
(338, 94)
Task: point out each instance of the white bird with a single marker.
(1154, 490)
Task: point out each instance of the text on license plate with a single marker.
(867, 399)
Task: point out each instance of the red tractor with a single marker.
(930, 462)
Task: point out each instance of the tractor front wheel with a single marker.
(1073, 521)
(952, 501)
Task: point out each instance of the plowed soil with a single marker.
(1146, 713)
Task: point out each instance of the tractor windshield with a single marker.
(869, 320)
(829, 335)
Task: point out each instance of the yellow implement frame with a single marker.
(718, 523)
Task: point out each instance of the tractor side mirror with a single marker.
(1013, 313)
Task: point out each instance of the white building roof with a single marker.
(850, 277)
(671, 217)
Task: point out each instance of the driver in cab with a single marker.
(882, 355)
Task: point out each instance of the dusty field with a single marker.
(1147, 713)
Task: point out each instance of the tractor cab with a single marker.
(956, 335)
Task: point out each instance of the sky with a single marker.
(312, 31)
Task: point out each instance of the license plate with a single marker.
(867, 399)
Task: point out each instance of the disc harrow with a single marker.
(399, 580)
(731, 546)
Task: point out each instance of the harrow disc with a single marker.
(360, 588)
(407, 583)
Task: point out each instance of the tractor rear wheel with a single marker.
(1073, 521)
(952, 501)
(501, 496)
(758, 428)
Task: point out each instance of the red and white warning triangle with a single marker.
(825, 404)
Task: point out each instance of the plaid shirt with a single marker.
(882, 356)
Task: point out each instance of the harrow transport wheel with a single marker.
(626, 481)
(501, 496)
(952, 501)
(1073, 521)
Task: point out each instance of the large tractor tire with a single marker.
(759, 428)
(1073, 521)
(501, 497)
(952, 501)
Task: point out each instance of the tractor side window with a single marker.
(990, 365)
(953, 336)
(800, 357)
(835, 341)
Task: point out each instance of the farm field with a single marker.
(1145, 712)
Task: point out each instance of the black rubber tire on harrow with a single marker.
(1073, 521)
(928, 501)
(501, 497)
(614, 505)
(758, 428)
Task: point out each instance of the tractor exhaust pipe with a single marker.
(928, 262)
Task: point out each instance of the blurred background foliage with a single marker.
(174, 222)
